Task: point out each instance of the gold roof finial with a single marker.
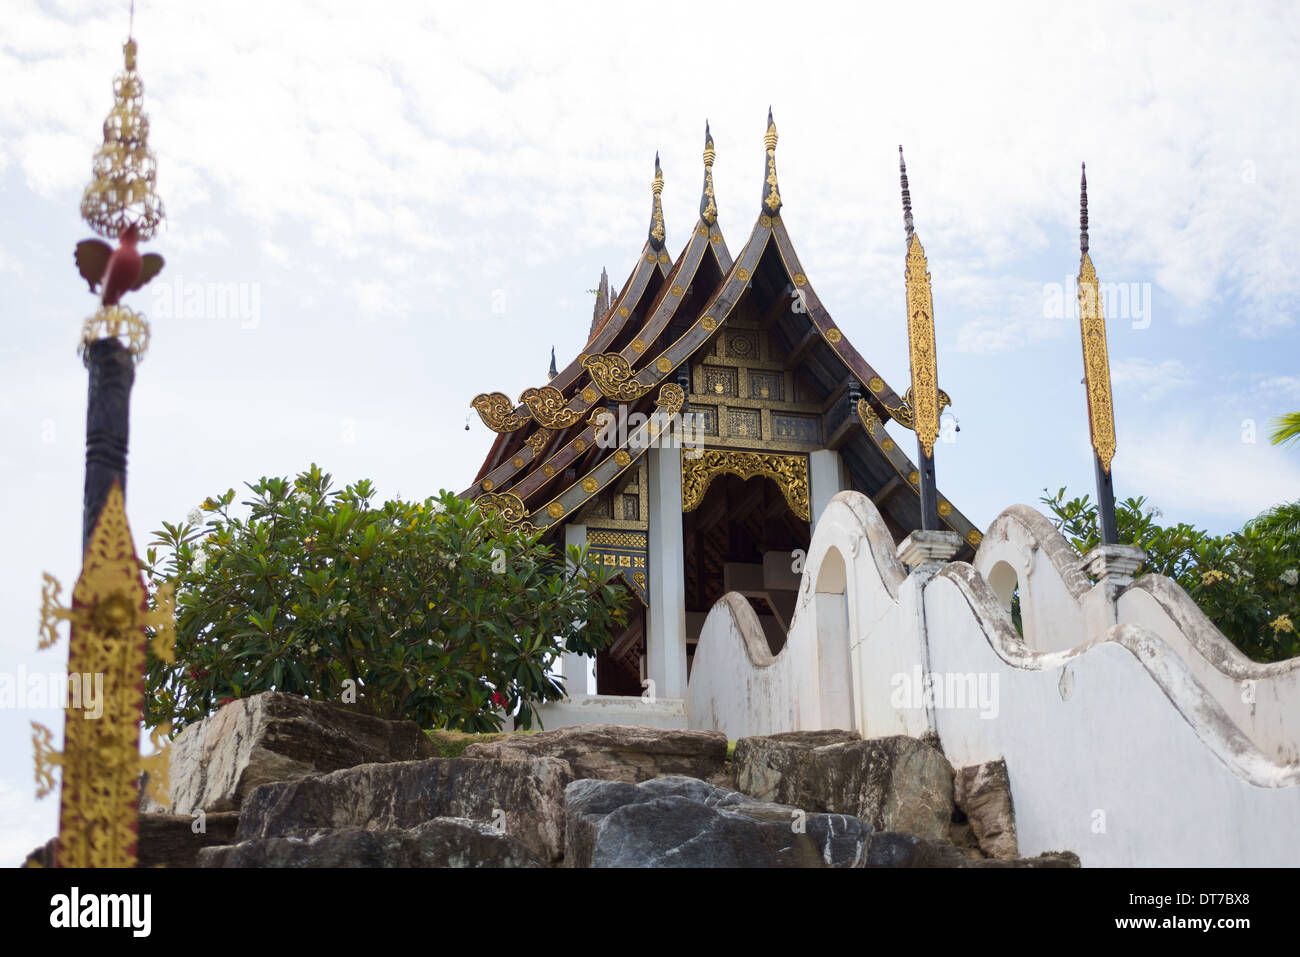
(121, 189)
(708, 208)
(657, 208)
(772, 193)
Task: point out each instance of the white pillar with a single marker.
(577, 668)
(825, 480)
(666, 632)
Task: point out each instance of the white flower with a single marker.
(1290, 576)
(194, 516)
(225, 646)
(314, 648)
(201, 560)
(301, 497)
(438, 508)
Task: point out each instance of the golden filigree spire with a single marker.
(924, 392)
(657, 208)
(708, 208)
(1096, 358)
(771, 192)
(101, 760)
(121, 190)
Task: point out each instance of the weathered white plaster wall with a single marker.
(1129, 743)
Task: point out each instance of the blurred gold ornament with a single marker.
(121, 190)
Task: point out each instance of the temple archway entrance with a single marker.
(743, 537)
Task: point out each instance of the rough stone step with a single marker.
(441, 842)
(523, 796)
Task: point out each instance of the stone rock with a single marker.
(441, 842)
(525, 795)
(615, 752)
(895, 783)
(983, 792)
(684, 822)
(761, 762)
(893, 849)
(166, 840)
(276, 737)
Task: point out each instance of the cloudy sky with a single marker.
(412, 202)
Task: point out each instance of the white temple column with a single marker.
(666, 631)
(825, 480)
(577, 668)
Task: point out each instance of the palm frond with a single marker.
(1286, 428)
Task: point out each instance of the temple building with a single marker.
(780, 414)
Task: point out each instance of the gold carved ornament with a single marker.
(1096, 365)
(613, 376)
(671, 398)
(920, 335)
(498, 412)
(508, 505)
(790, 472)
(549, 408)
(872, 422)
(121, 189)
(708, 208)
(538, 441)
(902, 414)
(773, 198)
(101, 760)
(115, 322)
(657, 208)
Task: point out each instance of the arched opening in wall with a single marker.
(742, 538)
(1002, 579)
(834, 659)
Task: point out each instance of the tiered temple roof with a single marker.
(658, 343)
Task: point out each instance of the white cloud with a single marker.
(1151, 379)
(1181, 467)
(1286, 386)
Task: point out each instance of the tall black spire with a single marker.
(907, 196)
(1083, 210)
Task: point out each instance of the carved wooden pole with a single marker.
(108, 414)
(923, 396)
(1096, 375)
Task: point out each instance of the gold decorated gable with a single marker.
(1096, 364)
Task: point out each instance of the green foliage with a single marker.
(1244, 581)
(433, 610)
(1286, 428)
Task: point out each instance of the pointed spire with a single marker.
(552, 372)
(1083, 210)
(708, 208)
(602, 303)
(907, 196)
(657, 208)
(771, 192)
